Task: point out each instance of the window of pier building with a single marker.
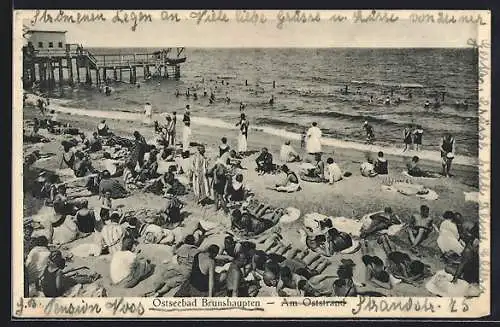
(51, 44)
(60, 45)
(40, 44)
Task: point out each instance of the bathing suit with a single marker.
(407, 138)
(198, 279)
(418, 136)
(447, 145)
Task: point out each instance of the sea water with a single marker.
(308, 84)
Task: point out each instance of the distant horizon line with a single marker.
(274, 47)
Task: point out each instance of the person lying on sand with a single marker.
(380, 221)
(249, 224)
(203, 281)
(264, 162)
(330, 242)
(115, 167)
(401, 266)
(288, 153)
(95, 143)
(126, 268)
(83, 165)
(178, 269)
(290, 182)
(317, 173)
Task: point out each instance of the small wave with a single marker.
(388, 84)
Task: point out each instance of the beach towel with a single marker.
(472, 196)
(86, 250)
(411, 189)
(291, 214)
(440, 284)
(292, 187)
(347, 225)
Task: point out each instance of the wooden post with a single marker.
(32, 73)
(69, 63)
(121, 74)
(131, 75)
(115, 74)
(77, 69)
(88, 76)
(135, 74)
(104, 77)
(61, 77)
(52, 77)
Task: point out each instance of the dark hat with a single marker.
(347, 262)
(372, 260)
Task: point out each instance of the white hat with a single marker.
(366, 122)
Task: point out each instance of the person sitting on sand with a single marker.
(419, 226)
(115, 167)
(111, 185)
(83, 165)
(37, 259)
(63, 205)
(129, 176)
(449, 240)
(85, 218)
(85, 142)
(288, 153)
(367, 168)
(468, 267)
(202, 281)
(317, 172)
(290, 182)
(68, 156)
(112, 233)
(380, 166)
(336, 241)
(236, 284)
(150, 168)
(332, 171)
(126, 269)
(55, 283)
(414, 169)
(223, 147)
(171, 185)
(379, 221)
(171, 211)
(235, 191)
(95, 143)
(264, 162)
(106, 206)
(102, 128)
(376, 271)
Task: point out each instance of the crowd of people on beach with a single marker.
(253, 253)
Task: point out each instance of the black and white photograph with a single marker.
(287, 164)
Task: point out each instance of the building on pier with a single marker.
(48, 60)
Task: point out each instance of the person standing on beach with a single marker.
(200, 181)
(447, 153)
(186, 132)
(242, 138)
(139, 150)
(313, 139)
(407, 137)
(418, 133)
(148, 113)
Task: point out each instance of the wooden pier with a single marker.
(74, 64)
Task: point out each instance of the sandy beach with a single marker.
(352, 198)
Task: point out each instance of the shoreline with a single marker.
(424, 155)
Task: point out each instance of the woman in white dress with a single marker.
(148, 113)
(242, 138)
(313, 139)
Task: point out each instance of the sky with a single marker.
(187, 33)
